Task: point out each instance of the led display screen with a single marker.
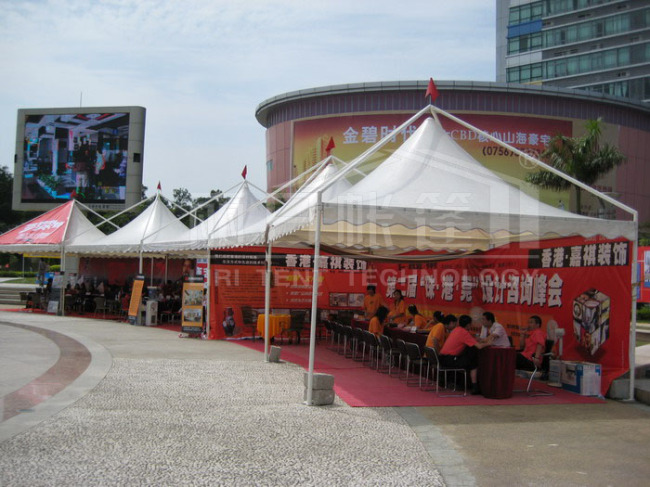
(81, 156)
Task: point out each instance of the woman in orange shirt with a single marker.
(398, 309)
(418, 320)
(376, 325)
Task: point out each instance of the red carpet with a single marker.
(360, 386)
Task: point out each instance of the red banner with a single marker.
(238, 284)
(582, 285)
(48, 228)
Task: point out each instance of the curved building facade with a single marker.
(300, 124)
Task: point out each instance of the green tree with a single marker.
(8, 217)
(212, 207)
(585, 158)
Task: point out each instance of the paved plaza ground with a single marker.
(89, 402)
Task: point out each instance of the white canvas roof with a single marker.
(220, 229)
(156, 223)
(432, 195)
(57, 229)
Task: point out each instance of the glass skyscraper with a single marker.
(598, 45)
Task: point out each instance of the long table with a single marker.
(420, 339)
(277, 323)
(496, 371)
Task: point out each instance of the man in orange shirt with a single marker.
(459, 350)
(371, 302)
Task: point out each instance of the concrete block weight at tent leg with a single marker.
(321, 397)
(321, 381)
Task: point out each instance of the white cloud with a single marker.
(201, 67)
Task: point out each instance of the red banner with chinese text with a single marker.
(237, 284)
(581, 284)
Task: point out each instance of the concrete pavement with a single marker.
(153, 408)
(172, 411)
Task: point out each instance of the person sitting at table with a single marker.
(535, 343)
(440, 330)
(460, 350)
(418, 320)
(490, 328)
(371, 302)
(438, 317)
(376, 325)
(397, 312)
(229, 321)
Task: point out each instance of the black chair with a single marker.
(414, 359)
(445, 370)
(430, 355)
(356, 342)
(329, 330)
(538, 372)
(297, 325)
(249, 316)
(346, 333)
(371, 343)
(401, 347)
(388, 353)
(336, 337)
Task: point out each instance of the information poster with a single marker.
(54, 297)
(192, 319)
(136, 299)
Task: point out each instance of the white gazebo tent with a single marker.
(243, 210)
(155, 223)
(432, 195)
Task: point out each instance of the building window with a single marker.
(594, 29)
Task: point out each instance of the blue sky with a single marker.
(201, 67)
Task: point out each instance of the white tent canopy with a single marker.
(223, 228)
(155, 224)
(430, 195)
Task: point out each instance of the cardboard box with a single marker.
(591, 319)
(555, 373)
(581, 377)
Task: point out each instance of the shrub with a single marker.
(17, 274)
(643, 314)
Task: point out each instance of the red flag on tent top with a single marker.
(330, 145)
(432, 90)
(244, 172)
(159, 186)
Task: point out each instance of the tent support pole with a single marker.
(151, 273)
(267, 300)
(635, 287)
(314, 299)
(208, 295)
(140, 262)
(62, 290)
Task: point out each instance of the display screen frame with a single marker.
(92, 154)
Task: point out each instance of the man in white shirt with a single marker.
(490, 328)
